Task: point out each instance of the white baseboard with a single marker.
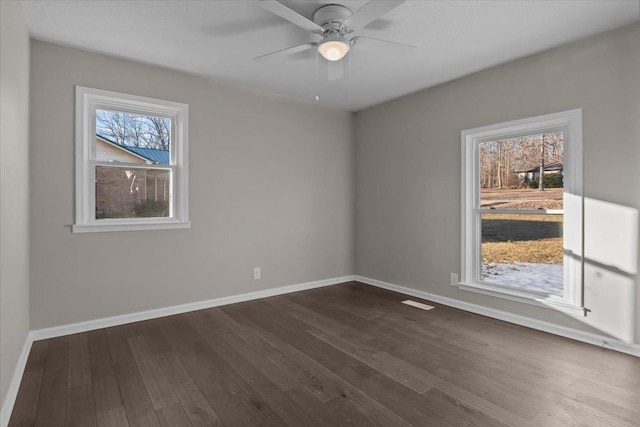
(74, 328)
(14, 386)
(563, 331)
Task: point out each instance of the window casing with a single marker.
(169, 178)
(570, 124)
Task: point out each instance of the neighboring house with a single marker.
(530, 174)
(127, 192)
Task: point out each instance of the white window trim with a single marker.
(570, 123)
(87, 101)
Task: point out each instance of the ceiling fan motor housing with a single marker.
(333, 22)
(331, 17)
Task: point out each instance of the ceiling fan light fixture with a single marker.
(334, 49)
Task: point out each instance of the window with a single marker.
(522, 210)
(131, 162)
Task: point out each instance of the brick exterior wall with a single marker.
(122, 192)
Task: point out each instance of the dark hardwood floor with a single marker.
(343, 355)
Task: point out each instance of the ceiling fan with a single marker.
(334, 23)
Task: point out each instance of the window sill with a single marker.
(128, 226)
(540, 300)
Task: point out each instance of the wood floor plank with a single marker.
(314, 377)
(344, 355)
(198, 410)
(135, 396)
(79, 360)
(26, 406)
(583, 414)
(359, 404)
(112, 417)
(397, 369)
(503, 388)
(53, 410)
(628, 398)
(289, 340)
(396, 403)
(281, 368)
(173, 415)
(461, 350)
(256, 354)
(81, 408)
(177, 377)
(160, 391)
(400, 371)
(110, 410)
(153, 335)
(291, 414)
(229, 396)
(272, 363)
(193, 402)
(602, 407)
(455, 411)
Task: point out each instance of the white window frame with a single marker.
(570, 123)
(88, 100)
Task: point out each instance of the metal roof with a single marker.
(156, 156)
(151, 154)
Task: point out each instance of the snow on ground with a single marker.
(527, 275)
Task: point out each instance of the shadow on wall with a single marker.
(611, 268)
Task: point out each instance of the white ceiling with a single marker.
(220, 38)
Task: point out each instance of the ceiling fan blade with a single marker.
(289, 50)
(370, 12)
(354, 41)
(283, 11)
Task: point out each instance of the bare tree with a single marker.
(134, 130)
(111, 124)
(500, 159)
(161, 132)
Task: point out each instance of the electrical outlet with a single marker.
(257, 273)
(454, 279)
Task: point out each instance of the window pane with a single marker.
(510, 171)
(132, 193)
(132, 138)
(523, 251)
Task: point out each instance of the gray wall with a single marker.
(271, 185)
(408, 173)
(14, 189)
